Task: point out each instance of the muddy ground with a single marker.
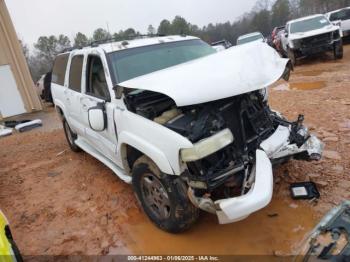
(60, 202)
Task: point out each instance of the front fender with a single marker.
(148, 149)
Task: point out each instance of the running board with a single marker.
(96, 154)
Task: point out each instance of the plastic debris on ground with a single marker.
(26, 126)
(304, 190)
(330, 239)
(4, 131)
(20, 126)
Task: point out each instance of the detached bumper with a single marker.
(259, 196)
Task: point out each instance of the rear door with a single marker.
(73, 94)
(97, 91)
(58, 80)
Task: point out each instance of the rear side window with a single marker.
(76, 68)
(59, 69)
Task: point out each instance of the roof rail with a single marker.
(124, 40)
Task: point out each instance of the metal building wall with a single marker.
(11, 54)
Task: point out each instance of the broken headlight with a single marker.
(207, 146)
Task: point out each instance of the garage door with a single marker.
(10, 99)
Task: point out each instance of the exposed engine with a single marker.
(250, 120)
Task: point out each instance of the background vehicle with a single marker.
(311, 35)
(174, 118)
(252, 37)
(342, 15)
(44, 87)
(46, 94)
(40, 86)
(8, 248)
(221, 45)
(276, 38)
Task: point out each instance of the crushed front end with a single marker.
(317, 44)
(236, 142)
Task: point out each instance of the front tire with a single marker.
(70, 136)
(338, 50)
(162, 197)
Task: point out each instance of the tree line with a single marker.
(264, 16)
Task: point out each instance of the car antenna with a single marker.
(109, 34)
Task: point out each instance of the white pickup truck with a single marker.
(189, 127)
(311, 35)
(343, 16)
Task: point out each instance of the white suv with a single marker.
(311, 35)
(190, 128)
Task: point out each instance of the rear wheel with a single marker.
(163, 197)
(338, 50)
(70, 136)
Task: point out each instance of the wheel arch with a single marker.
(60, 109)
(133, 148)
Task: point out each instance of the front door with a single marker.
(97, 91)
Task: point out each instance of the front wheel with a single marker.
(291, 56)
(338, 50)
(163, 197)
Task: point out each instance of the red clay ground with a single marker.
(60, 202)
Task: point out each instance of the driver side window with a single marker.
(96, 84)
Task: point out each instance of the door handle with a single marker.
(85, 107)
(120, 108)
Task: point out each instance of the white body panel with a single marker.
(232, 72)
(259, 196)
(11, 102)
(156, 141)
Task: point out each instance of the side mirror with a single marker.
(97, 117)
(286, 34)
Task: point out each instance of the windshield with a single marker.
(131, 63)
(249, 39)
(309, 24)
(340, 15)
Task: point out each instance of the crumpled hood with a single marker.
(320, 31)
(232, 72)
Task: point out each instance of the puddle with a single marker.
(307, 85)
(300, 86)
(279, 228)
(310, 73)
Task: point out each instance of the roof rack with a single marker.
(128, 37)
(124, 41)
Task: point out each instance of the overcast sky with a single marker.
(34, 18)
